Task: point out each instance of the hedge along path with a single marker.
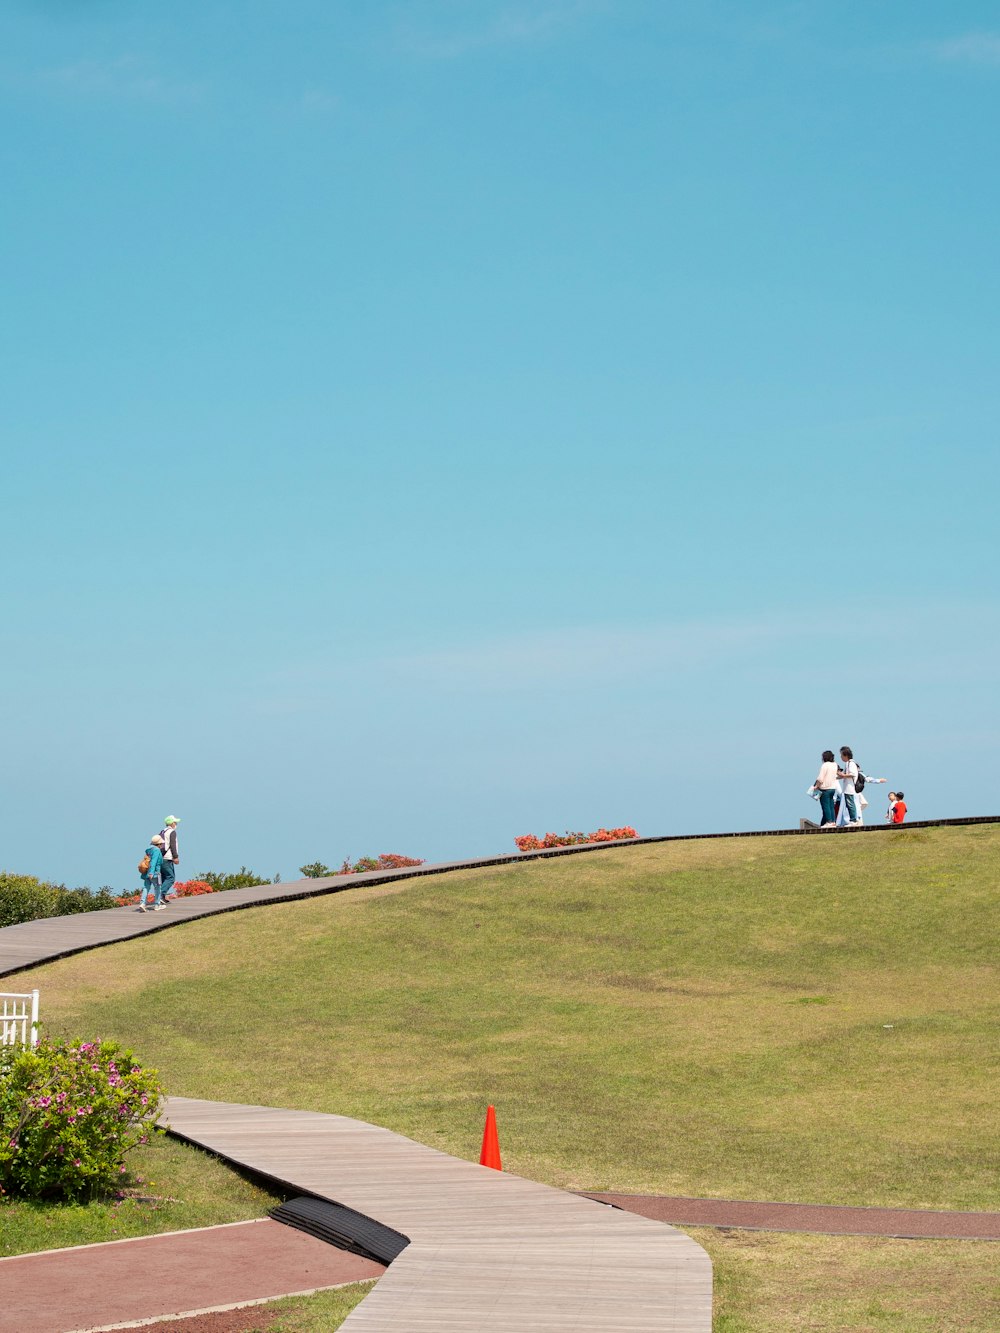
(487, 1249)
(35, 942)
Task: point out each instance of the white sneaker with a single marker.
(159, 907)
(141, 908)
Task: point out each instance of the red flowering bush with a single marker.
(384, 861)
(566, 839)
(529, 843)
(183, 888)
(191, 888)
(393, 861)
(132, 899)
(613, 835)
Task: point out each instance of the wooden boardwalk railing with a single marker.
(488, 1250)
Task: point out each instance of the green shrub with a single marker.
(315, 870)
(240, 879)
(69, 1114)
(82, 900)
(364, 864)
(25, 898)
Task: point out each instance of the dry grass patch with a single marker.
(768, 1282)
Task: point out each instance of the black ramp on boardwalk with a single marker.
(343, 1227)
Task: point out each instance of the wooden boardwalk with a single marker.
(37, 942)
(488, 1250)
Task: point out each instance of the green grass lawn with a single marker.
(171, 1187)
(789, 1018)
(321, 1313)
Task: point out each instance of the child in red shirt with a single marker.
(897, 808)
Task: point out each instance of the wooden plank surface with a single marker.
(488, 1250)
(36, 942)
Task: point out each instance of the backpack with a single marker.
(859, 781)
(144, 865)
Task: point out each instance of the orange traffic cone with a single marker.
(490, 1155)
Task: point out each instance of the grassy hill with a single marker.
(809, 1019)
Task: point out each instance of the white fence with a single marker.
(19, 1019)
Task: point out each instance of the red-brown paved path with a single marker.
(92, 1286)
(906, 1223)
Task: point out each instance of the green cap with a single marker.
(171, 819)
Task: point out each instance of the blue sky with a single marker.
(426, 423)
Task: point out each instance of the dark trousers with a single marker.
(168, 875)
(826, 799)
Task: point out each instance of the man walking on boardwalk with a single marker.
(171, 859)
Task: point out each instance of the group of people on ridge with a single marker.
(158, 867)
(839, 790)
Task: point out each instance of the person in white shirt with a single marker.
(171, 858)
(826, 786)
(861, 799)
(847, 772)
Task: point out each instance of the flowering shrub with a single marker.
(384, 861)
(69, 1113)
(529, 843)
(183, 888)
(393, 861)
(613, 834)
(193, 888)
(132, 899)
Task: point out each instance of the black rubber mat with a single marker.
(342, 1227)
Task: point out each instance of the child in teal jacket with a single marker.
(151, 879)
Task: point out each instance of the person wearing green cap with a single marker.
(170, 857)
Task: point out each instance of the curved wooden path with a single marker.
(36, 942)
(488, 1250)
